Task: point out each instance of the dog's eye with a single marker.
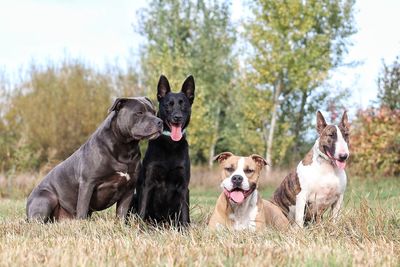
(248, 171)
(180, 102)
(229, 169)
(139, 113)
(171, 103)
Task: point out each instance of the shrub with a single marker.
(375, 142)
(54, 111)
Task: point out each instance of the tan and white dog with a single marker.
(240, 206)
(319, 181)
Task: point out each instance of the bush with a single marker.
(53, 112)
(375, 142)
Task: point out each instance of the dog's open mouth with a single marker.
(237, 195)
(176, 131)
(341, 164)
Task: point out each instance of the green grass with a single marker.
(368, 234)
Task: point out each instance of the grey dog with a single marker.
(103, 171)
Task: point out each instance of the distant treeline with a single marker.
(257, 90)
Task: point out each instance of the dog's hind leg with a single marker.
(41, 206)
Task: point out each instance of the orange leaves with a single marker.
(375, 142)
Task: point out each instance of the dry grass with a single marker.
(368, 234)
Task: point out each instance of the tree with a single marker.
(167, 28)
(389, 85)
(192, 37)
(295, 44)
(214, 64)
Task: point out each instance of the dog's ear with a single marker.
(321, 123)
(188, 88)
(118, 103)
(259, 160)
(148, 100)
(223, 156)
(163, 87)
(344, 122)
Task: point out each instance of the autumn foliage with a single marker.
(375, 142)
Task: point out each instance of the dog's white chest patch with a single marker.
(244, 216)
(126, 175)
(322, 183)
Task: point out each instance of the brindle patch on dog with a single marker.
(327, 139)
(308, 158)
(285, 195)
(344, 129)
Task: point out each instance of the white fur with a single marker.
(322, 185)
(244, 214)
(227, 182)
(126, 175)
(341, 146)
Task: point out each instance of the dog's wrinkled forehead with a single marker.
(145, 103)
(231, 162)
(235, 163)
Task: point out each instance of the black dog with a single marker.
(162, 188)
(103, 171)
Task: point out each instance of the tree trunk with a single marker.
(211, 155)
(274, 115)
(299, 121)
(214, 140)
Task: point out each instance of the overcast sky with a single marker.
(101, 31)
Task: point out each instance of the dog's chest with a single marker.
(323, 183)
(244, 216)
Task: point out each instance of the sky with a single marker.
(102, 32)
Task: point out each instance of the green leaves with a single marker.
(187, 37)
(296, 44)
(389, 85)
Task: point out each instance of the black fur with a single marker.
(162, 189)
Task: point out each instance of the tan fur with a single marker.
(268, 214)
(232, 162)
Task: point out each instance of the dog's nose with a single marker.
(237, 180)
(177, 118)
(343, 156)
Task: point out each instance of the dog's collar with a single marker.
(319, 152)
(168, 133)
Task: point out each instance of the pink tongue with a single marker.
(341, 165)
(237, 196)
(176, 133)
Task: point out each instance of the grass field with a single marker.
(368, 234)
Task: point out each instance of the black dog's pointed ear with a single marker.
(321, 123)
(188, 88)
(163, 87)
(345, 121)
(117, 104)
